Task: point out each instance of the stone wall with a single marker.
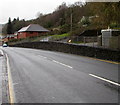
(100, 53)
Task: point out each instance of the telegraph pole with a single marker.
(71, 22)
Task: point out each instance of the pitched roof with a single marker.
(110, 30)
(93, 32)
(33, 27)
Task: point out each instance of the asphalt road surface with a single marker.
(40, 76)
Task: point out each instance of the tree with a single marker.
(62, 6)
(85, 21)
(9, 27)
(108, 12)
(39, 15)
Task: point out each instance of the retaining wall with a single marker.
(100, 53)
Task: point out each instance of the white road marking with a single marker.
(43, 56)
(15, 84)
(53, 97)
(109, 81)
(62, 64)
(1, 52)
(57, 62)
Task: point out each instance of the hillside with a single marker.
(75, 18)
(1, 28)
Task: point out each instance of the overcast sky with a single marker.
(28, 9)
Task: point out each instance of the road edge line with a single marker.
(1, 52)
(102, 60)
(10, 86)
(112, 62)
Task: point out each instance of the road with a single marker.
(40, 76)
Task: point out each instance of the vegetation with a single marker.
(59, 37)
(9, 27)
(74, 18)
(38, 38)
(1, 26)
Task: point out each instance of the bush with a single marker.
(64, 29)
(114, 25)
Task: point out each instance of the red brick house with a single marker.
(31, 30)
(8, 37)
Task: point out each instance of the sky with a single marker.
(28, 9)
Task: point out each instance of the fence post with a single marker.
(84, 41)
(104, 42)
(77, 39)
(93, 41)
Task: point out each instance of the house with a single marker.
(7, 37)
(11, 36)
(4, 39)
(88, 36)
(91, 33)
(15, 35)
(31, 30)
(108, 37)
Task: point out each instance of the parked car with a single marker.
(4, 45)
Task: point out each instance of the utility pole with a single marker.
(71, 22)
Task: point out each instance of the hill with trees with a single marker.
(1, 26)
(74, 18)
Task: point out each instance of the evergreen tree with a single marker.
(9, 27)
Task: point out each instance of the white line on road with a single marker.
(1, 52)
(15, 84)
(62, 64)
(109, 81)
(43, 56)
